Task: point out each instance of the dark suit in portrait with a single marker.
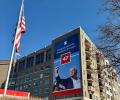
(68, 83)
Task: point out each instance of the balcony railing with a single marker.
(90, 70)
(91, 89)
(102, 95)
(88, 53)
(90, 79)
(87, 44)
(101, 84)
(88, 61)
(98, 64)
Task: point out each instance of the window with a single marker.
(36, 76)
(108, 96)
(21, 88)
(21, 65)
(106, 81)
(26, 87)
(41, 67)
(12, 82)
(36, 68)
(89, 84)
(41, 75)
(21, 81)
(89, 76)
(30, 85)
(90, 95)
(105, 73)
(35, 92)
(48, 55)
(36, 83)
(17, 82)
(30, 61)
(48, 66)
(111, 90)
(46, 90)
(16, 67)
(39, 58)
(28, 72)
(16, 88)
(19, 75)
(101, 90)
(46, 82)
(27, 79)
(45, 98)
(109, 83)
(46, 73)
(107, 88)
(14, 75)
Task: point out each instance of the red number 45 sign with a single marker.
(65, 58)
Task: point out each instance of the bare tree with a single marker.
(109, 40)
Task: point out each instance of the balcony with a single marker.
(87, 43)
(101, 84)
(101, 80)
(99, 73)
(98, 56)
(88, 61)
(91, 89)
(100, 76)
(98, 64)
(89, 66)
(114, 76)
(88, 56)
(90, 77)
(88, 53)
(89, 70)
(102, 95)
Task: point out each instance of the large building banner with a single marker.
(66, 74)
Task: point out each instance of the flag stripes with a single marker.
(23, 25)
(20, 29)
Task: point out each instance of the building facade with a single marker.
(34, 72)
(3, 71)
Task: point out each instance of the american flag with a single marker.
(20, 29)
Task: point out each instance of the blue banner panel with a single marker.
(66, 76)
(70, 44)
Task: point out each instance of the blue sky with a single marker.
(46, 20)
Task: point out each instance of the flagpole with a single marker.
(12, 55)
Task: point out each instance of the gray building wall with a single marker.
(3, 70)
